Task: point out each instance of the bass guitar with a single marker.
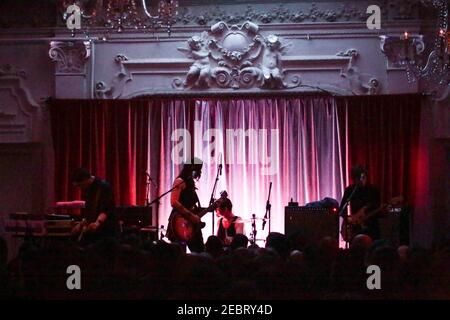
(355, 223)
(183, 229)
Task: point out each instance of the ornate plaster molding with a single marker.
(300, 12)
(236, 57)
(17, 106)
(115, 89)
(70, 56)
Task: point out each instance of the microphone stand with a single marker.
(268, 207)
(211, 201)
(253, 235)
(156, 200)
(147, 190)
(147, 194)
(344, 206)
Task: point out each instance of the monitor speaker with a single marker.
(312, 224)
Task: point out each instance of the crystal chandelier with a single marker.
(407, 51)
(118, 15)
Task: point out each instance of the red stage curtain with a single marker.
(109, 138)
(382, 133)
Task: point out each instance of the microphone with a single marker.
(220, 165)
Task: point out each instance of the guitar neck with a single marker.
(202, 212)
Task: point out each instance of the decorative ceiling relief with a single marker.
(299, 12)
(279, 14)
(359, 83)
(235, 57)
(206, 12)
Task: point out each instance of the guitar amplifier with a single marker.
(395, 227)
(312, 224)
(134, 216)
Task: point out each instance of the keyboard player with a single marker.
(98, 220)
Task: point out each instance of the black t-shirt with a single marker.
(364, 196)
(100, 199)
(222, 233)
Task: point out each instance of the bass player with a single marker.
(363, 196)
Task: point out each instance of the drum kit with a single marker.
(253, 234)
(153, 233)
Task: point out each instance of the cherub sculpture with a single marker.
(271, 63)
(199, 73)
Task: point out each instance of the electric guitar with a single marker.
(183, 229)
(354, 223)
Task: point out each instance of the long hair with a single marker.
(187, 172)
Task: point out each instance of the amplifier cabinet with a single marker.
(313, 224)
(134, 216)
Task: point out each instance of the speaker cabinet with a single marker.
(312, 224)
(394, 227)
(134, 216)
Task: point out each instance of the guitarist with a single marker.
(98, 215)
(365, 195)
(183, 198)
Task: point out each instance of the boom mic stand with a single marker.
(344, 206)
(268, 207)
(156, 200)
(147, 194)
(253, 234)
(211, 201)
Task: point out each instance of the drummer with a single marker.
(228, 224)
